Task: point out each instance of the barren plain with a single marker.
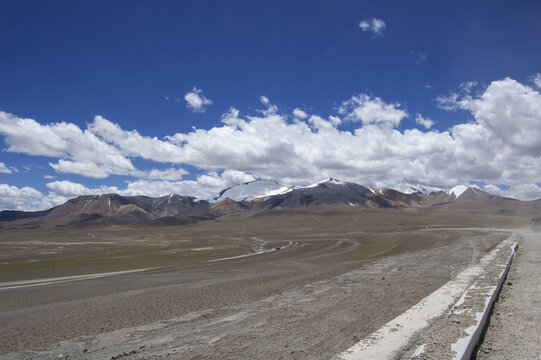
(284, 284)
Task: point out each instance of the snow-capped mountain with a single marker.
(250, 190)
(258, 195)
(314, 185)
(423, 189)
(451, 194)
(327, 181)
(326, 193)
(457, 191)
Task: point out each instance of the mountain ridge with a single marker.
(258, 195)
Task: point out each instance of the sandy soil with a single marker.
(309, 301)
(515, 325)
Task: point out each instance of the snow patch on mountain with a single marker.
(326, 181)
(250, 190)
(457, 190)
(423, 189)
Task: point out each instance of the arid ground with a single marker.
(286, 284)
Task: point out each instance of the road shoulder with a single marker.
(515, 325)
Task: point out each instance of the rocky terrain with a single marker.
(300, 273)
(259, 195)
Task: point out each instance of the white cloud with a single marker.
(4, 169)
(448, 102)
(372, 110)
(298, 113)
(513, 112)
(85, 168)
(376, 26)
(320, 124)
(335, 120)
(81, 152)
(500, 144)
(131, 143)
(196, 101)
(156, 174)
(458, 99)
(521, 192)
(264, 100)
(509, 109)
(71, 189)
(306, 151)
(536, 79)
(424, 121)
(14, 198)
(234, 177)
(271, 109)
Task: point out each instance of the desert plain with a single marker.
(280, 284)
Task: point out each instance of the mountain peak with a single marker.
(457, 190)
(334, 181)
(228, 205)
(327, 181)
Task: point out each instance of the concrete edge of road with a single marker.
(448, 323)
(466, 346)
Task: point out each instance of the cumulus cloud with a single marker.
(458, 99)
(157, 174)
(521, 192)
(424, 121)
(131, 143)
(335, 120)
(375, 26)
(499, 144)
(509, 109)
(271, 109)
(233, 177)
(196, 101)
(15, 198)
(536, 79)
(71, 189)
(375, 153)
(4, 169)
(81, 152)
(372, 110)
(513, 112)
(298, 113)
(103, 149)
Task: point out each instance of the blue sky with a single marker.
(465, 75)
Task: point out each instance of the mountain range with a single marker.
(258, 195)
